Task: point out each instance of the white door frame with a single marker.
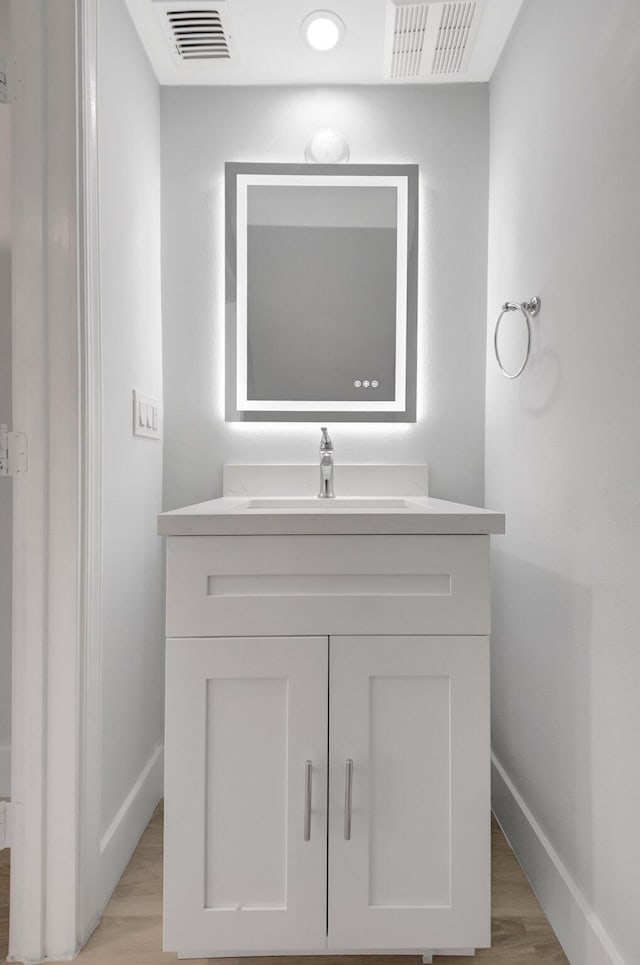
(90, 722)
(56, 504)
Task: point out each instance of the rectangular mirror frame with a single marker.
(238, 176)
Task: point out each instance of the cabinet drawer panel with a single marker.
(270, 585)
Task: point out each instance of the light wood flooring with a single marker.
(131, 929)
(4, 903)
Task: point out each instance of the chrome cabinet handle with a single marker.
(348, 780)
(307, 800)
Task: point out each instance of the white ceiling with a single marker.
(266, 46)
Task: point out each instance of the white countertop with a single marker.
(234, 516)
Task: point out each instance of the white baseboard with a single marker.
(120, 840)
(5, 770)
(579, 930)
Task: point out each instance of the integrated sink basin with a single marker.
(282, 500)
(306, 502)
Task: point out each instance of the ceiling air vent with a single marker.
(196, 31)
(430, 40)
(408, 40)
(456, 21)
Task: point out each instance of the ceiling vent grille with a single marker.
(408, 40)
(456, 21)
(196, 31)
(430, 40)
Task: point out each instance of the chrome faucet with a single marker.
(326, 466)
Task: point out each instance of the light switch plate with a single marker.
(147, 415)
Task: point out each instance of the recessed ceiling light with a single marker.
(322, 30)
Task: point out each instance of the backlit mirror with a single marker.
(321, 292)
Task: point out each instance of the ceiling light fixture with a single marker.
(322, 30)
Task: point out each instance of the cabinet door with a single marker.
(412, 715)
(244, 868)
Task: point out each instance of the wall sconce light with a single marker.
(327, 147)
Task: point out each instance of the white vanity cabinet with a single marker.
(327, 744)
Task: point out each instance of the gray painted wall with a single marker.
(563, 453)
(445, 131)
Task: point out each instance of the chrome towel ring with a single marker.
(529, 310)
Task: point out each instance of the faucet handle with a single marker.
(325, 442)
